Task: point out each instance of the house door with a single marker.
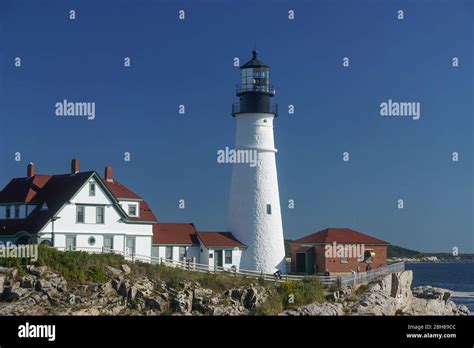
(108, 244)
(300, 263)
(218, 258)
(70, 242)
(130, 246)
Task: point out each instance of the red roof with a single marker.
(55, 191)
(219, 239)
(146, 214)
(23, 190)
(174, 233)
(123, 193)
(340, 235)
(120, 191)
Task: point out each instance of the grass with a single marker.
(174, 277)
(360, 290)
(293, 294)
(75, 266)
(78, 267)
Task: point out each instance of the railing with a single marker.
(250, 87)
(272, 108)
(341, 280)
(192, 266)
(203, 268)
(365, 277)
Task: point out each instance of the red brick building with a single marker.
(337, 250)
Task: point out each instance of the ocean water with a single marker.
(455, 276)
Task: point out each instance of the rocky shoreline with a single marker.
(41, 291)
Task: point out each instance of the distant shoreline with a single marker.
(411, 260)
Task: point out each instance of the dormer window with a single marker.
(132, 210)
(92, 189)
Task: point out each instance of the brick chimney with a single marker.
(74, 166)
(108, 174)
(31, 170)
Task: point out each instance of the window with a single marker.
(70, 242)
(91, 241)
(7, 212)
(344, 256)
(92, 189)
(100, 215)
(269, 209)
(368, 256)
(130, 246)
(182, 253)
(108, 243)
(132, 210)
(169, 253)
(211, 255)
(228, 256)
(17, 211)
(80, 214)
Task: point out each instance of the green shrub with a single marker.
(174, 277)
(291, 294)
(75, 266)
(273, 305)
(79, 267)
(360, 290)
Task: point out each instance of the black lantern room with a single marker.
(254, 90)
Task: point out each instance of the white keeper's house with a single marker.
(83, 211)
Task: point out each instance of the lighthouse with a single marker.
(254, 203)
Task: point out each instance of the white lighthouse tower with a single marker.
(254, 207)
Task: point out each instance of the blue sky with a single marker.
(190, 62)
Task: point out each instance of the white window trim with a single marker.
(83, 214)
(231, 257)
(97, 215)
(92, 184)
(166, 251)
(137, 210)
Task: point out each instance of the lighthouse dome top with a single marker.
(254, 62)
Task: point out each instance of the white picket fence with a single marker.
(203, 268)
(341, 280)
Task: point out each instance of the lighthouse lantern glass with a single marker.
(255, 79)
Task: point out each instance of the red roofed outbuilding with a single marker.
(337, 250)
(181, 242)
